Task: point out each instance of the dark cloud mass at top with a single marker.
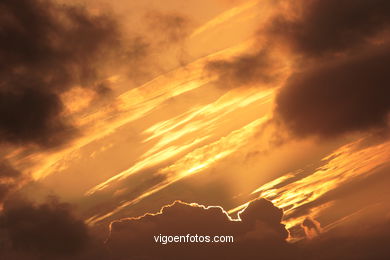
(338, 96)
(46, 49)
(340, 83)
(340, 56)
(319, 28)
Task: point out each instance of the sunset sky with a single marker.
(110, 111)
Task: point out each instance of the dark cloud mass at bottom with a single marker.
(43, 231)
(51, 231)
(258, 234)
(365, 243)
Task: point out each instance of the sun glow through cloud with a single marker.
(194, 162)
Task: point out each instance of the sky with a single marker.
(266, 120)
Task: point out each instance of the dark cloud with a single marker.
(46, 49)
(364, 243)
(167, 33)
(5, 188)
(170, 27)
(9, 177)
(338, 96)
(259, 234)
(339, 83)
(45, 231)
(311, 227)
(7, 171)
(317, 28)
(258, 69)
(51, 231)
(339, 54)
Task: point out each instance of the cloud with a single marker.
(257, 69)
(311, 227)
(46, 49)
(339, 84)
(57, 60)
(338, 96)
(46, 230)
(51, 231)
(9, 178)
(318, 28)
(49, 48)
(338, 55)
(7, 171)
(168, 27)
(260, 233)
(365, 242)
